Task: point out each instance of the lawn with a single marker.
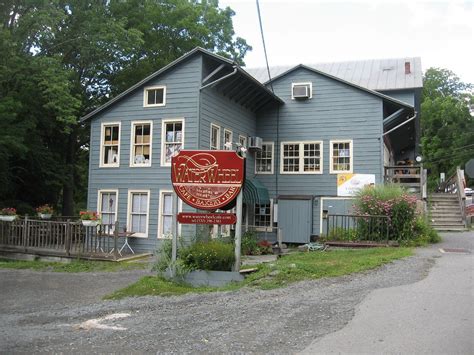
(286, 270)
(73, 266)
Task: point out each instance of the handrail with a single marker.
(455, 185)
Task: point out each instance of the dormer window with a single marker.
(154, 96)
(301, 91)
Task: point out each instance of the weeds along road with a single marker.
(41, 312)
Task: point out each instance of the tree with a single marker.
(447, 126)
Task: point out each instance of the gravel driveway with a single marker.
(277, 321)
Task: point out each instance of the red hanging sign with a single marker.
(207, 180)
(207, 218)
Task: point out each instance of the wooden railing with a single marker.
(455, 185)
(60, 238)
(412, 177)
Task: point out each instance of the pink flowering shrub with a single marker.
(391, 201)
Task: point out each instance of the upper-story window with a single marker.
(243, 141)
(341, 156)
(141, 143)
(301, 91)
(154, 96)
(215, 139)
(227, 139)
(264, 159)
(110, 145)
(172, 139)
(301, 158)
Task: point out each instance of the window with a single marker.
(264, 159)
(243, 141)
(107, 206)
(301, 158)
(341, 156)
(141, 144)
(165, 217)
(154, 96)
(263, 215)
(172, 140)
(110, 145)
(137, 220)
(227, 139)
(215, 137)
(301, 91)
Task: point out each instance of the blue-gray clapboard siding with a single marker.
(182, 98)
(336, 111)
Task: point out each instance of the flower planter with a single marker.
(89, 223)
(7, 218)
(44, 215)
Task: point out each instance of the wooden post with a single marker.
(116, 231)
(68, 237)
(174, 232)
(238, 232)
(25, 233)
(280, 238)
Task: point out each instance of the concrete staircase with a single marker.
(445, 212)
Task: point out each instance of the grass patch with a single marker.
(73, 266)
(286, 270)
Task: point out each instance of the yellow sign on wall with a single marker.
(349, 184)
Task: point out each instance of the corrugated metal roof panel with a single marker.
(374, 74)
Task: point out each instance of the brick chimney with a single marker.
(407, 68)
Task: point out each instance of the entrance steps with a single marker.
(445, 212)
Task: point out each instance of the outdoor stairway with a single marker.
(445, 212)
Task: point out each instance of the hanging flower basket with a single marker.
(89, 218)
(44, 211)
(89, 223)
(44, 215)
(7, 214)
(7, 218)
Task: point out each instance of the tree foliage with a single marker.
(62, 58)
(447, 125)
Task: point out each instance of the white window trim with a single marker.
(301, 159)
(226, 130)
(351, 149)
(132, 139)
(145, 95)
(244, 138)
(129, 211)
(160, 210)
(304, 83)
(102, 138)
(218, 137)
(163, 138)
(99, 201)
(267, 228)
(272, 162)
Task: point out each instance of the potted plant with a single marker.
(89, 218)
(8, 214)
(44, 211)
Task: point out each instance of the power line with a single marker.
(264, 46)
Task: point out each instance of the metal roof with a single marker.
(374, 74)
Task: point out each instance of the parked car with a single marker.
(468, 191)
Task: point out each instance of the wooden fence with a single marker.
(60, 238)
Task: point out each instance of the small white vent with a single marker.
(255, 143)
(301, 91)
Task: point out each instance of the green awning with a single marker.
(255, 192)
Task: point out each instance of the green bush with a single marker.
(341, 234)
(213, 255)
(424, 233)
(249, 244)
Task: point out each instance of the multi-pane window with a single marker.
(227, 139)
(110, 145)
(341, 156)
(108, 207)
(138, 212)
(301, 158)
(243, 141)
(215, 137)
(172, 140)
(166, 214)
(141, 144)
(154, 96)
(263, 216)
(264, 159)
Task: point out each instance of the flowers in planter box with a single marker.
(89, 215)
(8, 211)
(45, 209)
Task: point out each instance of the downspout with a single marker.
(220, 79)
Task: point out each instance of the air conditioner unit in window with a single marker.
(301, 91)
(255, 143)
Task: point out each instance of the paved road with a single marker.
(50, 312)
(433, 316)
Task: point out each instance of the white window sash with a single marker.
(103, 126)
(161, 212)
(145, 96)
(133, 144)
(272, 149)
(164, 144)
(331, 156)
(228, 133)
(216, 145)
(131, 213)
(301, 158)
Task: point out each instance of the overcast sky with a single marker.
(304, 31)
